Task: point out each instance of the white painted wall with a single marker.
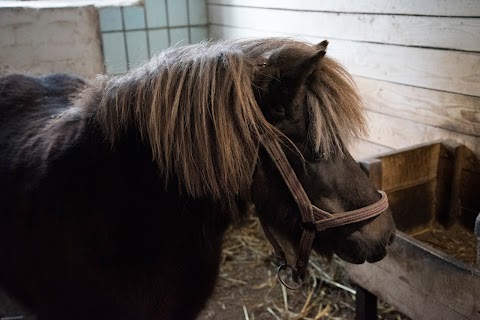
(46, 40)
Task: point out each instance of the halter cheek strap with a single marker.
(313, 218)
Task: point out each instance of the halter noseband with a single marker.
(313, 218)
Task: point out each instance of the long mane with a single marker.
(195, 108)
(336, 110)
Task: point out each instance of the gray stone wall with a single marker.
(46, 40)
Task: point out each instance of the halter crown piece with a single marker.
(313, 218)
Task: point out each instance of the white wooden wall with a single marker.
(416, 62)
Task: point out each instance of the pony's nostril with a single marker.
(351, 245)
(352, 250)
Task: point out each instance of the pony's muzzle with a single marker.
(356, 249)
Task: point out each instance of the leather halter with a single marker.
(313, 218)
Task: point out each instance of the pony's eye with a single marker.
(318, 155)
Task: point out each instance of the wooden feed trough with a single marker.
(432, 269)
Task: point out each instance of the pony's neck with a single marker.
(197, 114)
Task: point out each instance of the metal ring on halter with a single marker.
(287, 278)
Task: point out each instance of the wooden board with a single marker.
(445, 70)
(447, 184)
(410, 179)
(409, 168)
(433, 32)
(422, 283)
(443, 110)
(373, 169)
(414, 208)
(457, 72)
(399, 133)
(465, 8)
(469, 192)
(362, 149)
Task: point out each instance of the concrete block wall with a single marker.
(39, 41)
(58, 36)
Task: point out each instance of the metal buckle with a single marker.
(289, 277)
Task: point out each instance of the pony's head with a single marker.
(203, 111)
(312, 101)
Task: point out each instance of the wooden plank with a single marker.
(454, 209)
(445, 110)
(409, 178)
(444, 70)
(363, 149)
(373, 168)
(466, 8)
(399, 133)
(421, 282)
(446, 184)
(434, 32)
(470, 190)
(477, 233)
(450, 71)
(413, 207)
(472, 162)
(469, 197)
(409, 168)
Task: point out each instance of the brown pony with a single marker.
(115, 193)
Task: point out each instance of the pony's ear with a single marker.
(293, 75)
(288, 72)
(297, 73)
(322, 45)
